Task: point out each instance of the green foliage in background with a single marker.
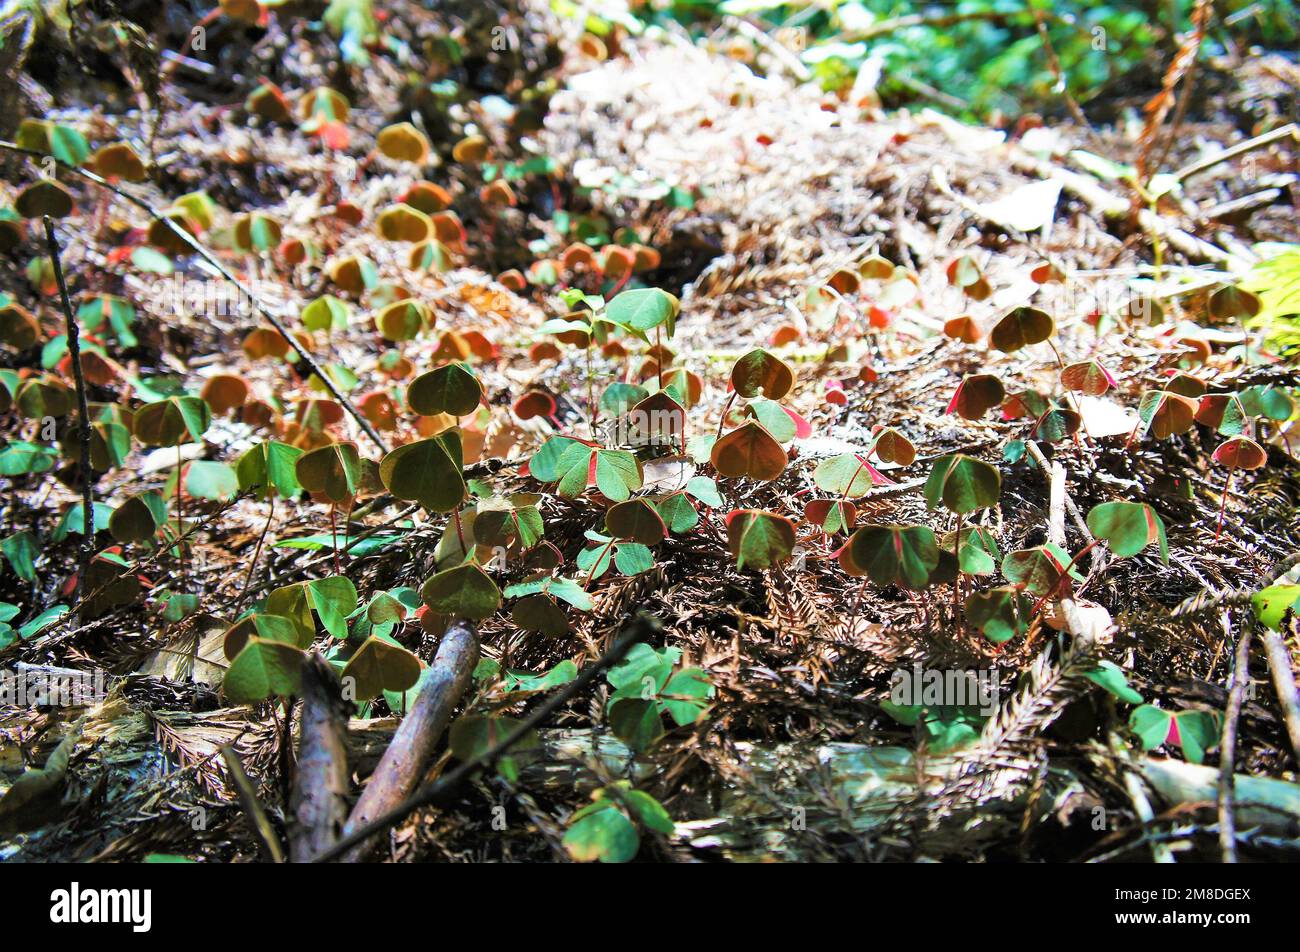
(994, 60)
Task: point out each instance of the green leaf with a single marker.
(617, 474)
(1111, 678)
(21, 550)
(270, 467)
(327, 540)
(1272, 604)
(546, 464)
(562, 673)
(644, 309)
(1128, 527)
(208, 479)
(333, 471)
(1038, 570)
(893, 554)
(643, 671)
(172, 421)
(139, 517)
(264, 668)
(333, 599)
(632, 558)
(429, 472)
(705, 490)
(453, 389)
(769, 413)
(759, 539)
(326, 313)
(20, 458)
(685, 696)
(379, 666)
(962, 484)
(999, 614)
(636, 722)
(849, 475)
(42, 621)
(465, 591)
(600, 831)
(474, 735)
(678, 513)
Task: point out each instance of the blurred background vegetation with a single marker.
(978, 57)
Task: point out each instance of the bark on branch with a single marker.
(319, 802)
(408, 756)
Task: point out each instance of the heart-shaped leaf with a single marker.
(636, 520)
(749, 450)
(429, 472)
(759, 539)
(963, 484)
(139, 518)
(326, 313)
(892, 555)
(377, 666)
(1020, 328)
(1040, 570)
(270, 468)
(976, 395)
(601, 831)
(333, 471)
(1166, 414)
(1128, 527)
(172, 421)
(999, 614)
(893, 447)
(644, 309)
(1240, 452)
(759, 373)
(464, 591)
(1087, 376)
(849, 475)
(453, 388)
(262, 669)
(333, 599)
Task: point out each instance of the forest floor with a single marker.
(794, 757)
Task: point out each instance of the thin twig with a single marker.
(83, 411)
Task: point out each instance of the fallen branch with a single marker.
(319, 799)
(641, 628)
(303, 354)
(409, 755)
(1228, 742)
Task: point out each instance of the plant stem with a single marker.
(460, 531)
(257, 553)
(596, 564)
(83, 410)
(1223, 503)
(725, 410)
(180, 510)
(956, 582)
